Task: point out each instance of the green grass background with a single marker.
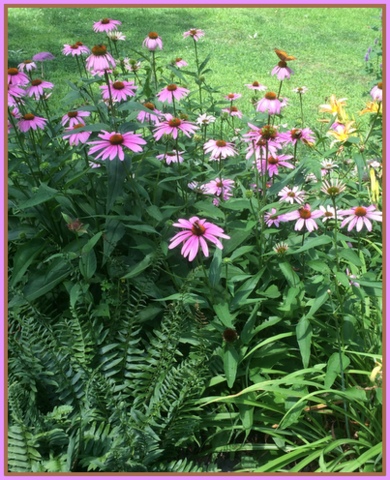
(329, 43)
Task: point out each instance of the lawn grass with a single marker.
(329, 43)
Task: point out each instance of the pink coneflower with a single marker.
(29, 65)
(180, 63)
(352, 278)
(256, 86)
(106, 25)
(15, 92)
(376, 92)
(270, 104)
(195, 33)
(305, 218)
(262, 140)
(37, 87)
(120, 90)
(274, 161)
(116, 36)
(111, 144)
(219, 149)
(152, 41)
(29, 120)
(232, 111)
(74, 118)
(153, 116)
(360, 216)
(291, 195)
(76, 138)
(76, 49)
(100, 59)
(300, 90)
(282, 71)
(171, 157)
(16, 77)
(172, 92)
(233, 96)
(272, 218)
(172, 126)
(219, 187)
(196, 232)
(304, 135)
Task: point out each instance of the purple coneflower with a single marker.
(76, 138)
(43, 57)
(16, 77)
(376, 92)
(282, 71)
(106, 25)
(74, 117)
(100, 59)
(76, 49)
(328, 213)
(111, 144)
(29, 120)
(172, 126)
(194, 235)
(15, 92)
(180, 63)
(232, 111)
(256, 86)
(300, 90)
(120, 90)
(219, 149)
(172, 92)
(195, 33)
(304, 135)
(37, 87)
(305, 218)
(219, 187)
(154, 116)
(272, 218)
(152, 41)
(274, 161)
(29, 65)
(233, 96)
(291, 195)
(171, 157)
(360, 216)
(270, 104)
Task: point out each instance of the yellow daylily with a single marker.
(372, 107)
(341, 132)
(374, 186)
(335, 107)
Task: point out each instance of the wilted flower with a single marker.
(116, 36)
(280, 248)
(28, 65)
(300, 90)
(333, 187)
(205, 119)
(272, 218)
(180, 63)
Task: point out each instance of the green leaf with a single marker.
(351, 256)
(321, 297)
(223, 314)
(333, 369)
(114, 231)
(88, 264)
(116, 174)
(245, 290)
(215, 268)
(311, 243)
(91, 243)
(304, 333)
(24, 257)
(230, 363)
(291, 277)
(42, 195)
(140, 267)
(42, 283)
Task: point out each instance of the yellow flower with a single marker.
(376, 374)
(335, 107)
(341, 132)
(374, 186)
(372, 107)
